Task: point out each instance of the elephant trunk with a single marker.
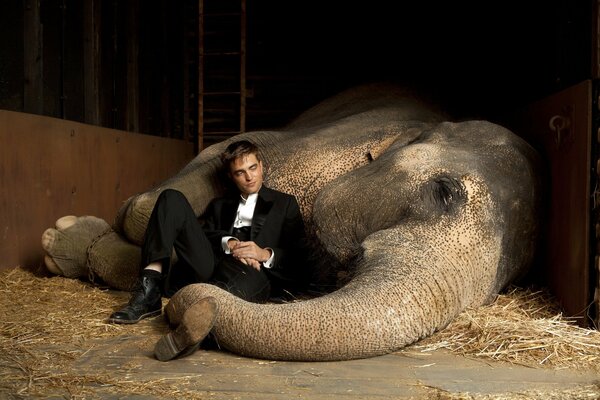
(384, 308)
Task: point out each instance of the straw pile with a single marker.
(524, 327)
(47, 323)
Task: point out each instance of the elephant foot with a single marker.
(66, 245)
(196, 323)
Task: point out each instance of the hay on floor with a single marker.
(47, 323)
(521, 326)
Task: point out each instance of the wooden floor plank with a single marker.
(220, 374)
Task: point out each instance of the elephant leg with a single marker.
(199, 186)
(66, 245)
(115, 261)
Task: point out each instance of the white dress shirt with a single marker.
(243, 217)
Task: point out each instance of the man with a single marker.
(249, 242)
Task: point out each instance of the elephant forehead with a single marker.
(415, 154)
(424, 157)
(472, 143)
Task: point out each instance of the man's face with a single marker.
(247, 174)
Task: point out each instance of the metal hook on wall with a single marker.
(561, 126)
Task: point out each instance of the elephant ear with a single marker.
(444, 193)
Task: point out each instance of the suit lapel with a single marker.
(229, 212)
(263, 206)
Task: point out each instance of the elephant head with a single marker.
(430, 217)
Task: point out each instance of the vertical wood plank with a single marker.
(595, 67)
(243, 67)
(165, 88)
(566, 258)
(32, 68)
(91, 57)
(133, 94)
(185, 78)
(200, 76)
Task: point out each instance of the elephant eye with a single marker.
(444, 193)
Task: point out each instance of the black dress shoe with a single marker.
(145, 302)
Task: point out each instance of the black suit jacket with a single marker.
(276, 223)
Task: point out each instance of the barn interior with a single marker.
(103, 99)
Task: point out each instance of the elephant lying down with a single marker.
(430, 217)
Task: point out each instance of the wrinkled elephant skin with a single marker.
(428, 216)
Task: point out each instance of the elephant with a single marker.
(413, 216)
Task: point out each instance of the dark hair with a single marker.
(241, 148)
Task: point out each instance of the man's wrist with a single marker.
(268, 253)
(231, 243)
(227, 249)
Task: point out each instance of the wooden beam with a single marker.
(185, 72)
(166, 129)
(133, 90)
(200, 75)
(33, 100)
(91, 57)
(596, 40)
(243, 67)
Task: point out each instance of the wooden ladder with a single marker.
(222, 70)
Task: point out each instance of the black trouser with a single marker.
(173, 225)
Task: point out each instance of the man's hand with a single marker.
(249, 253)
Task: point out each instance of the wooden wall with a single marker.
(51, 167)
(120, 64)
